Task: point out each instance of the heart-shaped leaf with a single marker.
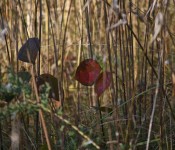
(102, 82)
(88, 72)
(53, 83)
(28, 51)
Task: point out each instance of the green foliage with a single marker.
(18, 88)
(44, 93)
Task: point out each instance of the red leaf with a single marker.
(88, 72)
(102, 82)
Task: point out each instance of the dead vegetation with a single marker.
(134, 40)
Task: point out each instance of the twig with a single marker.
(72, 126)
